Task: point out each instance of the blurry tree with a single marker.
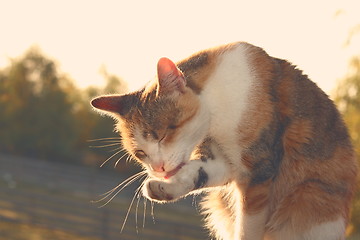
(36, 114)
(347, 97)
(44, 115)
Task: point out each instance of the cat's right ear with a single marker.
(118, 104)
(170, 78)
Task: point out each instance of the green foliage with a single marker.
(44, 115)
(347, 97)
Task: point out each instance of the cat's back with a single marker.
(317, 146)
(314, 155)
(314, 139)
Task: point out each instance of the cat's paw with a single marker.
(163, 191)
(158, 190)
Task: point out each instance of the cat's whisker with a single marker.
(145, 202)
(152, 211)
(131, 204)
(116, 189)
(125, 155)
(105, 139)
(144, 216)
(115, 149)
(109, 158)
(122, 183)
(127, 213)
(138, 193)
(195, 203)
(107, 145)
(136, 213)
(127, 184)
(128, 159)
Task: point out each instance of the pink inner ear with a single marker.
(166, 67)
(107, 103)
(170, 77)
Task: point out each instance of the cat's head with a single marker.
(160, 124)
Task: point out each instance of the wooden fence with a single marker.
(58, 196)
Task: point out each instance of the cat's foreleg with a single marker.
(208, 168)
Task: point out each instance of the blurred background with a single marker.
(56, 55)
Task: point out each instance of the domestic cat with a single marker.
(264, 143)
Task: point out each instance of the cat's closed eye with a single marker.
(140, 154)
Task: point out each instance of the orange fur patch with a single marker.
(298, 133)
(256, 198)
(307, 205)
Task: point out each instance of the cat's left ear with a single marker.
(118, 104)
(170, 78)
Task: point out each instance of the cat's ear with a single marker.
(170, 78)
(118, 104)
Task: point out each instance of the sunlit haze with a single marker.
(128, 37)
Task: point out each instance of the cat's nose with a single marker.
(157, 167)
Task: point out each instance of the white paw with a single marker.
(164, 191)
(157, 190)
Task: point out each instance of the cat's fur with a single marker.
(265, 143)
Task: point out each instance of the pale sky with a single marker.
(128, 37)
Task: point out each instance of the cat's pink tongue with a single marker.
(174, 171)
